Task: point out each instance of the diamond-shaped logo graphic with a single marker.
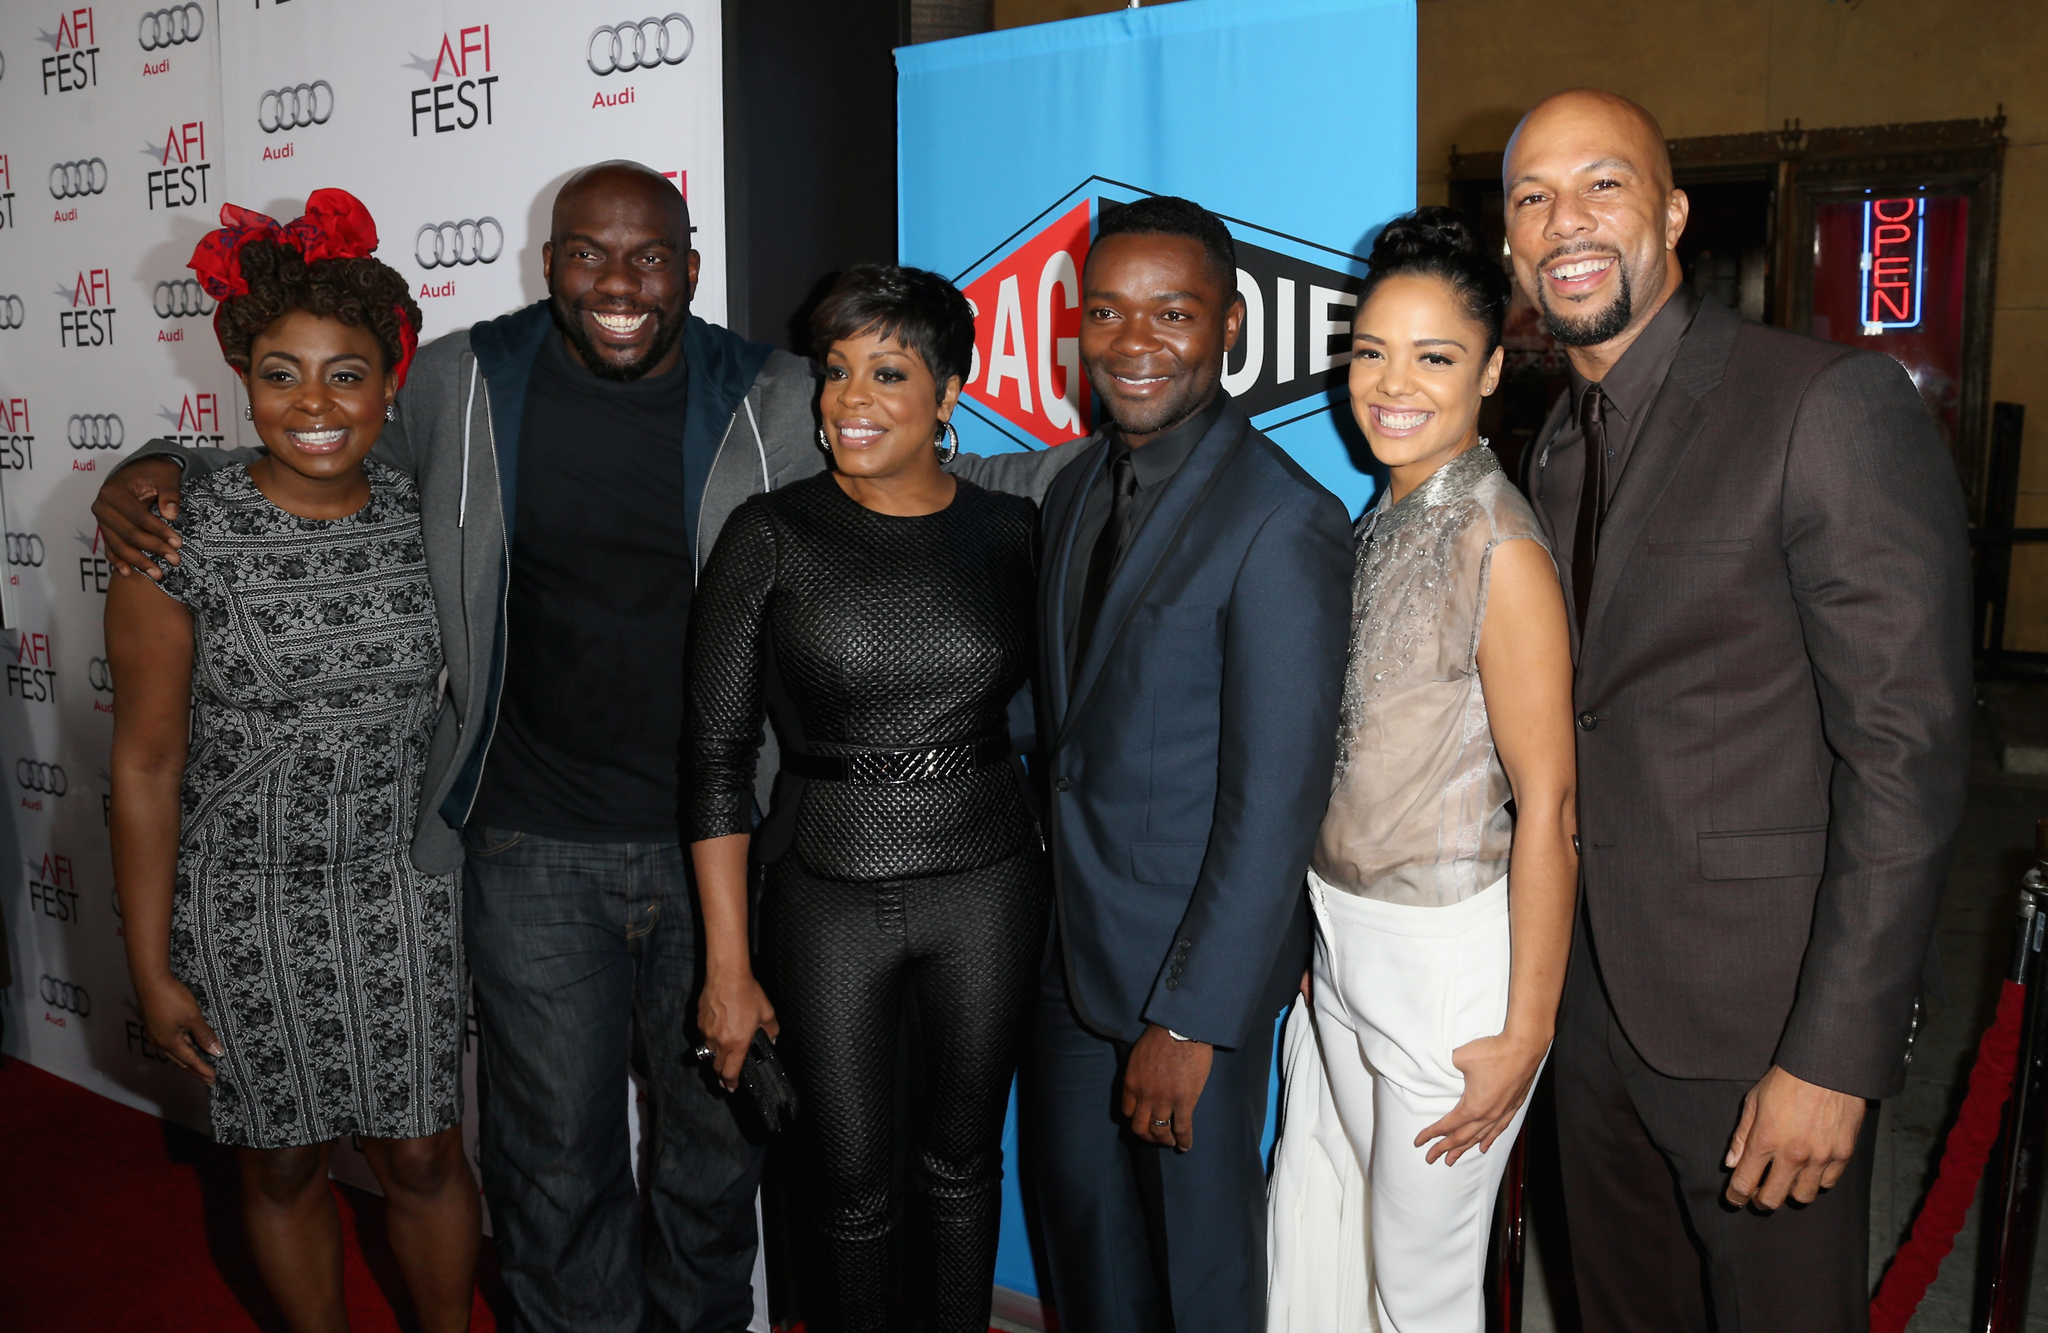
(1026, 378)
(1027, 333)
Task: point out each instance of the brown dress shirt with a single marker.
(1630, 388)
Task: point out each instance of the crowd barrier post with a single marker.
(2012, 1208)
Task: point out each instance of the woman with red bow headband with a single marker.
(276, 709)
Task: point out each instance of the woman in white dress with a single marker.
(1430, 1006)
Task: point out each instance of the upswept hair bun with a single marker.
(1442, 243)
(365, 293)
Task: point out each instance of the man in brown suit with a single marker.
(1767, 566)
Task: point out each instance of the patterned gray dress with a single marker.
(329, 966)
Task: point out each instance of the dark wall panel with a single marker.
(810, 151)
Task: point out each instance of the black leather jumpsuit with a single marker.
(858, 631)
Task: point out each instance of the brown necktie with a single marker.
(1592, 499)
(1123, 486)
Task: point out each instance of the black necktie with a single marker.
(1592, 499)
(1123, 485)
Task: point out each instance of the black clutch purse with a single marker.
(765, 1083)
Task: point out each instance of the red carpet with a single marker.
(113, 1220)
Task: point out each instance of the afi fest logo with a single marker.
(195, 421)
(90, 320)
(6, 194)
(76, 63)
(53, 888)
(1026, 379)
(158, 30)
(459, 79)
(182, 185)
(95, 572)
(32, 675)
(17, 437)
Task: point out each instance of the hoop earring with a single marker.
(248, 412)
(824, 445)
(947, 442)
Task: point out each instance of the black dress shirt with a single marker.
(1155, 464)
(1631, 386)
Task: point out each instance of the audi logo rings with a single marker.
(170, 27)
(49, 779)
(182, 298)
(470, 241)
(296, 107)
(66, 996)
(642, 45)
(70, 180)
(12, 312)
(100, 675)
(96, 430)
(24, 548)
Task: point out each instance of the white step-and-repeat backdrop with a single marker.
(123, 128)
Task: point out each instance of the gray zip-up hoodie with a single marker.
(750, 426)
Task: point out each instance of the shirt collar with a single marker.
(1633, 382)
(1157, 461)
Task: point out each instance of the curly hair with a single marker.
(363, 293)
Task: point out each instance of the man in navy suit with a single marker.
(1194, 613)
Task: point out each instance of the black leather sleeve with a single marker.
(724, 704)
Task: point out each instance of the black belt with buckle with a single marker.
(882, 768)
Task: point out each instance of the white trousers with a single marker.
(1365, 1235)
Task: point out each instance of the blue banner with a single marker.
(1294, 120)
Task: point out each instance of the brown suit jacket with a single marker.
(1774, 696)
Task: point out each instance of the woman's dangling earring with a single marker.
(248, 412)
(391, 411)
(947, 442)
(824, 445)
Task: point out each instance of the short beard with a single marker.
(1172, 413)
(666, 332)
(1591, 330)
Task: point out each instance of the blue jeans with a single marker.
(584, 957)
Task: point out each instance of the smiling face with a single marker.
(620, 270)
(1156, 323)
(881, 407)
(1419, 367)
(1592, 221)
(317, 393)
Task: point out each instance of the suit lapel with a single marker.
(1062, 518)
(1676, 418)
(1184, 495)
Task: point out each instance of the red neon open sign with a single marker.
(1894, 245)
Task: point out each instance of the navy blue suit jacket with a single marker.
(1191, 756)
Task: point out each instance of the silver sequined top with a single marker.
(1418, 809)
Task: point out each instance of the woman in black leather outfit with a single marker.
(881, 614)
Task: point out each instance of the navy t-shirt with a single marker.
(590, 718)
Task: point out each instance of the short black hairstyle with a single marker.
(1442, 243)
(1171, 215)
(366, 293)
(914, 306)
